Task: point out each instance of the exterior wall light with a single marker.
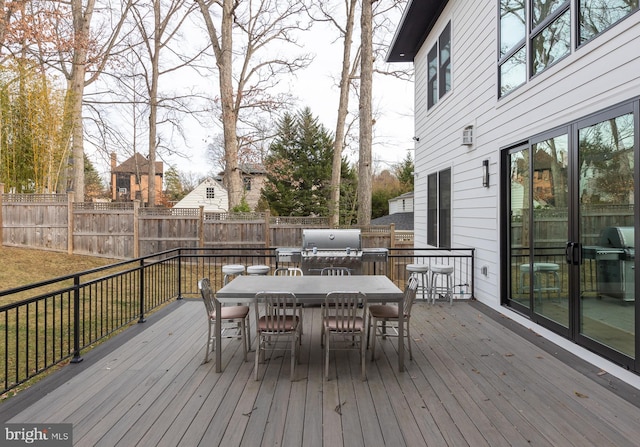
(485, 173)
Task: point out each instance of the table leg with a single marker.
(218, 336)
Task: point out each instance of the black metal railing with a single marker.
(54, 321)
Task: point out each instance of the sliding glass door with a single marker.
(606, 179)
(571, 267)
(539, 228)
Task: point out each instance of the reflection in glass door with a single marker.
(538, 194)
(606, 199)
(548, 272)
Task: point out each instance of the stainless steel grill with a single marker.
(331, 248)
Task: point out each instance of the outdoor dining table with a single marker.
(310, 290)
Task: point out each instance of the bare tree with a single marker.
(248, 29)
(157, 35)
(344, 22)
(86, 53)
(347, 73)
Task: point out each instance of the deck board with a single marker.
(473, 381)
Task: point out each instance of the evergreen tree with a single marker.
(93, 185)
(174, 190)
(348, 194)
(404, 173)
(299, 167)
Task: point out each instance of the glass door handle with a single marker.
(573, 253)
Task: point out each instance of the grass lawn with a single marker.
(24, 266)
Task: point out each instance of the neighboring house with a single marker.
(401, 204)
(253, 178)
(210, 194)
(527, 127)
(130, 180)
(400, 213)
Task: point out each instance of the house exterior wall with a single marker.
(253, 195)
(402, 204)
(601, 73)
(133, 188)
(198, 197)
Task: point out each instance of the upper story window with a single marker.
(596, 16)
(246, 181)
(210, 193)
(439, 67)
(534, 34)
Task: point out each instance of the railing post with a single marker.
(76, 320)
(141, 292)
(180, 274)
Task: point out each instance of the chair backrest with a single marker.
(287, 271)
(410, 294)
(335, 271)
(277, 306)
(348, 308)
(207, 296)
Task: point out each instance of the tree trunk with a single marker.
(366, 121)
(153, 104)
(232, 177)
(343, 110)
(81, 26)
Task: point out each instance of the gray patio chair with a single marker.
(276, 324)
(292, 271)
(344, 325)
(234, 318)
(335, 271)
(383, 318)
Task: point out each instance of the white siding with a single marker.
(198, 197)
(601, 73)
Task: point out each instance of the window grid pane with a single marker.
(512, 25)
(596, 16)
(432, 77)
(552, 43)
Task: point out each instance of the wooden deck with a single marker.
(473, 381)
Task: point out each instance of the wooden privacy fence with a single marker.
(124, 230)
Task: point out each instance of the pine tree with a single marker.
(299, 167)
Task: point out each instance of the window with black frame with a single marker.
(439, 208)
(439, 67)
(547, 26)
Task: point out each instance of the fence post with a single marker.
(201, 227)
(76, 320)
(267, 229)
(70, 197)
(392, 235)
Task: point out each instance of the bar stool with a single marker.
(541, 270)
(258, 270)
(420, 270)
(230, 270)
(439, 272)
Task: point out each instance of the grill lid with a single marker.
(617, 237)
(327, 239)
